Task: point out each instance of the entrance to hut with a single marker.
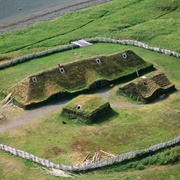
(59, 96)
(157, 93)
(98, 84)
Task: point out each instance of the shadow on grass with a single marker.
(110, 114)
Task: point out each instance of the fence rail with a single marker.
(93, 40)
(89, 165)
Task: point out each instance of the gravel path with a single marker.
(31, 115)
(34, 114)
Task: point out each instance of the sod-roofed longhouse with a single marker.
(77, 76)
(87, 108)
(147, 89)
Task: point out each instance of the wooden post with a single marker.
(107, 153)
(86, 157)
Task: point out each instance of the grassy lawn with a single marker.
(119, 19)
(130, 129)
(133, 126)
(156, 173)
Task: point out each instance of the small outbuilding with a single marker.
(147, 89)
(87, 108)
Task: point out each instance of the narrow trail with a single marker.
(31, 115)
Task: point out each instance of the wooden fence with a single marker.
(89, 165)
(93, 40)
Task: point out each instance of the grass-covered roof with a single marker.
(76, 76)
(88, 108)
(148, 88)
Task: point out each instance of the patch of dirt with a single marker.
(54, 150)
(84, 146)
(10, 113)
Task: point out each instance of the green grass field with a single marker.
(153, 22)
(132, 127)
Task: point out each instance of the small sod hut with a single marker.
(147, 89)
(87, 108)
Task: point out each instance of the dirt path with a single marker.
(34, 114)
(31, 115)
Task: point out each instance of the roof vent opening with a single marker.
(79, 106)
(34, 79)
(61, 69)
(145, 83)
(98, 61)
(124, 55)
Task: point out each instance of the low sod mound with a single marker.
(87, 108)
(78, 76)
(147, 89)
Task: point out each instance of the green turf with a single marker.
(133, 127)
(69, 143)
(130, 129)
(144, 89)
(77, 76)
(119, 19)
(88, 108)
(89, 103)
